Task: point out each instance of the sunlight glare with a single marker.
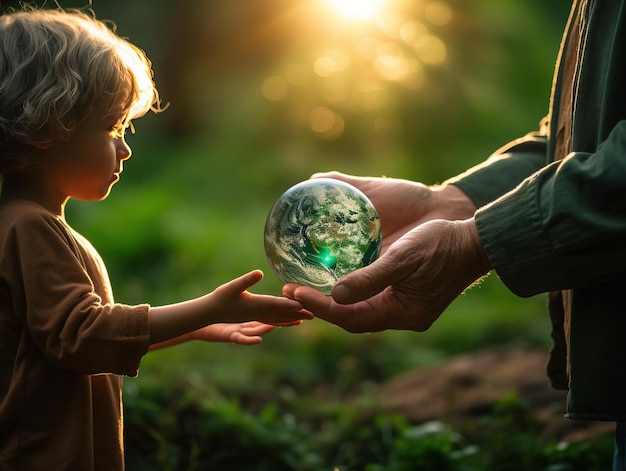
(356, 9)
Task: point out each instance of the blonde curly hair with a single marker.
(55, 67)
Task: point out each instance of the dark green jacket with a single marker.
(560, 226)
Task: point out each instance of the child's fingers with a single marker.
(242, 339)
(255, 328)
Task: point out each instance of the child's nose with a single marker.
(123, 150)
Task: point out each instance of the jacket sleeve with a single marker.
(565, 225)
(504, 170)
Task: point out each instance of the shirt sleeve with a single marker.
(564, 226)
(70, 323)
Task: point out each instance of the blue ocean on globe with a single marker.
(320, 230)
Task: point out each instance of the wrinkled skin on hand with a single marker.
(427, 261)
(408, 287)
(403, 204)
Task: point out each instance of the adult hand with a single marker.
(409, 286)
(403, 204)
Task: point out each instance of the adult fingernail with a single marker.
(341, 294)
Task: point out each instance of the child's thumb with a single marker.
(242, 283)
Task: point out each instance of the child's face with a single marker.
(88, 164)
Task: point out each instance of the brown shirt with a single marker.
(63, 345)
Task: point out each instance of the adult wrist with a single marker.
(453, 202)
(482, 262)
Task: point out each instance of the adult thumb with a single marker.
(363, 283)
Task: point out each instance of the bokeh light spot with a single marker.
(324, 66)
(274, 88)
(391, 63)
(326, 123)
(431, 50)
(332, 61)
(412, 31)
(438, 13)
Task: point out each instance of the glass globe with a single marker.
(320, 230)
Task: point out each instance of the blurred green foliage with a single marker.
(189, 211)
(263, 93)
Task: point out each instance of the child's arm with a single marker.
(229, 303)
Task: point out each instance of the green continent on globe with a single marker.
(320, 230)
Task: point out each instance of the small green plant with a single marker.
(174, 431)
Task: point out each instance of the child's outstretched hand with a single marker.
(245, 333)
(229, 303)
(236, 304)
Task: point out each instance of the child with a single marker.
(69, 88)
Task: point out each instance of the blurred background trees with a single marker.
(264, 93)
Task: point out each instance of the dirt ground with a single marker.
(468, 386)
